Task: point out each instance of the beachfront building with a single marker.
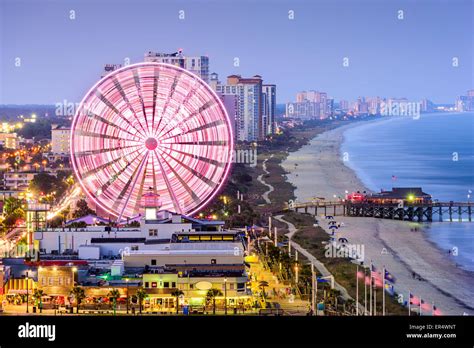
(194, 281)
(427, 105)
(198, 65)
(160, 284)
(310, 105)
(57, 277)
(231, 104)
(249, 115)
(303, 111)
(465, 103)
(361, 106)
(344, 105)
(269, 109)
(250, 104)
(410, 195)
(170, 256)
(112, 241)
(373, 105)
(211, 253)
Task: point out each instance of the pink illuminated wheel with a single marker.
(151, 125)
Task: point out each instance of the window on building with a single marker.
(153, 262)
(61, 280)
(43, 280)
(50, 280)
(147, 284)
(231, 286)
(213, 261)
(153, 232)
(153, 284)
(173, 284)
(166, 284)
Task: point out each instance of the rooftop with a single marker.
(401, 192)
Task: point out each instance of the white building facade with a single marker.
(269, 109)
(198, 65)
(60, 140)
(249, 120)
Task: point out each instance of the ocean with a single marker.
(435, 152)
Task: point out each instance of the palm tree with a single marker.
(262, 285)
(37, 295)
(114, 294)
(79, 295)
(211, 295)
(141, 295)
(177, 293)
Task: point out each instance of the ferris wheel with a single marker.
(151, 126)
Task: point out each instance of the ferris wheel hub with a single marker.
(151, 144)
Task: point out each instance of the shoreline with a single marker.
(444, 283)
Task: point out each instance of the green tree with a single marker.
(262, 285)
(114, 294)
(79, 295)
(37, 158)
(58, 220)
(11, 204)
(177, 293)
(211, 296)
(37, 296)
(12, 218)
(42, 183)
(82, 209)
(141, 295)
(22, 241)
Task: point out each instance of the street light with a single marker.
(225, 296)
(27, 293)
(74, 270)
(127, 293)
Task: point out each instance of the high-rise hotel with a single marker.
(198, 65)
(310, 105)
(269, 109)
(250, 104)
(254, 116)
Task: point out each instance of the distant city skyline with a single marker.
(61, 58)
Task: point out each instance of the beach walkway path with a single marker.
(260, 179)
(319, 266)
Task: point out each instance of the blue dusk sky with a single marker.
(412, 57)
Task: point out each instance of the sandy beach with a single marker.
(318, 170)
